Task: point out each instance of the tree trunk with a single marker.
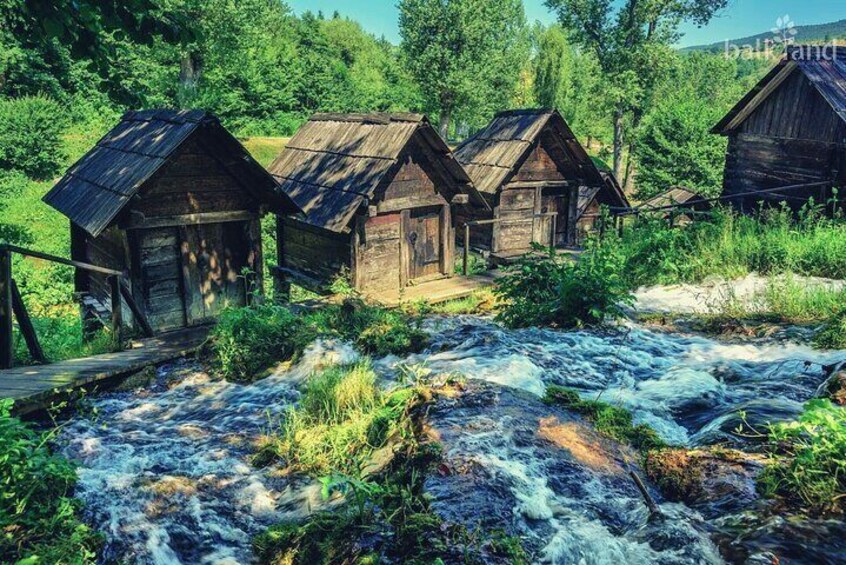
(189, 76)
(618, 143)
(446, 117)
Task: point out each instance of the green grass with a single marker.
(556, 291)
(342, 418)
(61, 338)
(833, 333)
(367, 445)
(39, 519)
(786, 299)
(247, 341)
(265, 149)
(611, 421)
(731, 245)
(811, 467)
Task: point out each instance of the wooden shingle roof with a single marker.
(493, 156)
(336, 162)
(825, 68)
(676, 195)
(98, 186)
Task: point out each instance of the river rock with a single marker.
(834, 388)
(538, 472)
(714, 481)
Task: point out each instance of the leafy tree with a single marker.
(674, 143)
(631, 41)
(676, 148)
(465, 54)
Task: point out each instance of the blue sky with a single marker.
(741, 18)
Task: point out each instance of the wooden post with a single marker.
(7, 347)
(620, 225)
(25, 325)
(117, 306)
(465, 267)
(139, 316)
(552, 241)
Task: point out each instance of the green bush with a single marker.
(374, 329)
(30, 136)
(38, 516)
(811, 459)
(248, 340)
(559, 292)
(611, 421)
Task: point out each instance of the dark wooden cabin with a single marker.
(789, 130)
(378, 191)
(173, 199)
(536, 177)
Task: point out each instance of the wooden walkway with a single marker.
(437, 291)
(34, 387)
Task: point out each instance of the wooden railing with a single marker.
(13, 307)
(465, 265)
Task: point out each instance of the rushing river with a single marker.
(165, 473)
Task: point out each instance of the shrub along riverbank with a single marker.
(39, 519)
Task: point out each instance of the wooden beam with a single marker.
(141, 222)
(117, 306)
(465, 266)
(137, 313)
(7, 347)
(26, 327)
(61, 260)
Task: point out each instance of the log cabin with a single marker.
(378, 191)
(789, 131)
(174, 200)
(539, 181)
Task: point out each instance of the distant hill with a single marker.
(804, 34)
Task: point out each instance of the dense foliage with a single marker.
(29, 136)
(811, 464)
(557, 291)
(38, 516)
(465, 54)
(731, 245)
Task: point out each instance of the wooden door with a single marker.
(548, 204)
(159, 277)
(423, 236)
(213, 260)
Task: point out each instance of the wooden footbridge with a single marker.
(34, 387)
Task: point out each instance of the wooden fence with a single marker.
(13, 307)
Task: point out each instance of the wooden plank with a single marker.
(35, 387)
(25, 325)
(140, 222)
(117, 310)
(7, 346)
(137, 313)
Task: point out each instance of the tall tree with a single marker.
(465, 54)
(631, 40)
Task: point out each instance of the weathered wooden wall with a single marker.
(193, 182)
(317, 253)
(793, 137)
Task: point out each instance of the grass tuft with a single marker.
(611, 421)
